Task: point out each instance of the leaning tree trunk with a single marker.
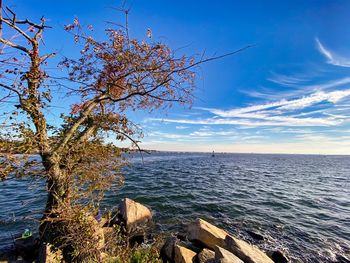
(57, 199)
(65, 225)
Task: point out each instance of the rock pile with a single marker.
(202, 243)
(214, 244)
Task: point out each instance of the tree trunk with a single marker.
(57, 189)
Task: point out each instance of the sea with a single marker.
(300, 204)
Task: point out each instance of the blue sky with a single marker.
(288, 94)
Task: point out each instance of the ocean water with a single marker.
(299, 203)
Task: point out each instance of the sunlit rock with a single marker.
(207, 234)
(184, 255)
(133, 213)
(245, 251)
(211, 236)
(205, 255)
(225, 256)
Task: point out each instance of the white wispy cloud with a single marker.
(210, 133)
(200, 135)
(285, 105)
(287, 81)
(332, 58)
(274, 121)
(298, 90)
(279, 113)
(181, 127)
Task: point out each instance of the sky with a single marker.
(290, 93)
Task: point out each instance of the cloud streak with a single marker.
(287, 81)
(273, 121)
(279, 113)
(332, 58)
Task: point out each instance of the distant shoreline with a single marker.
(219, 152)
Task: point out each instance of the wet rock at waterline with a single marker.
(256, 235)
(278, 257)
(211, 236)
(245, 251)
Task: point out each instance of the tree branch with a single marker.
(11, 44)
(45, 57)
(83, 116)
(13, 90)
(89, 130)
(13, 25)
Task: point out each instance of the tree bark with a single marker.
(57, 198)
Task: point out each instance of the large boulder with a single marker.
(184, 255)
(205, 255)
(225, 256)
(245, 251)
(207, 234)
(211, 236)
(133, 213)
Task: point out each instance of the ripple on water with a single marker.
(299, 203)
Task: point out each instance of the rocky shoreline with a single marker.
(202, 241)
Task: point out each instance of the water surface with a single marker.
(300, 203)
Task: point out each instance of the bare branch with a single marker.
(45, 57)
(11, 44)
(13, 90)
(15, 27)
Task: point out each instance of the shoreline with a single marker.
(201, 241)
